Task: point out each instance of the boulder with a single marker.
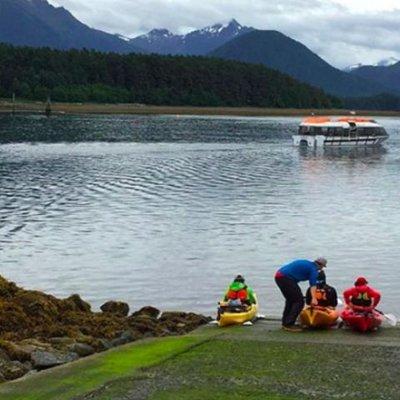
(7, 289)
(181, 322)
(62, 341)
(143, 324)
(47, 359)
(10, 370)
(78, 303)
(126, 337)
(22, 351)
(104, 344)
(116, 307)
(149, 311)
(82, 349)
(4, 356)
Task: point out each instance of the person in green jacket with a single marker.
(238, 297)
(239, 292)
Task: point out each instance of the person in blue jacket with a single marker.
(287, 278)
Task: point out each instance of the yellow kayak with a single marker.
(239, 318)
(318, 317)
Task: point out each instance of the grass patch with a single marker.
(240, 363)
(238, 368)
(135, 109)
(202, 394)
(78, 378)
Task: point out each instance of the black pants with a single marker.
(294, 299)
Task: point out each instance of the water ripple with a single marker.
(185, 203)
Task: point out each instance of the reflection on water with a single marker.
(369, 152)
(169, 222)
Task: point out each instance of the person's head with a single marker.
(239, 279)
(321, 262)
(360, 281)
(321, 279)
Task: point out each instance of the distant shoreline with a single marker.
(139, 109)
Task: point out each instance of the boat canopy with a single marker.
(337, 122)
(325, 120)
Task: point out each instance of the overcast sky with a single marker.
(343, 32)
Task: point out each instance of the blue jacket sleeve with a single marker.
(313, 276)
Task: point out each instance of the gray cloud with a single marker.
(337, 33)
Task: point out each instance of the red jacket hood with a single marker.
(362, 288)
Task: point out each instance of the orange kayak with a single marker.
(314, 317)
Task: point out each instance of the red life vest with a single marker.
(239, 295)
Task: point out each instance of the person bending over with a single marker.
(287, 278)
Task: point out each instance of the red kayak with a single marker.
(362, 321)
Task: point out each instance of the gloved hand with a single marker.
(314, 302)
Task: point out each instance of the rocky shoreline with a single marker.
(39, 331)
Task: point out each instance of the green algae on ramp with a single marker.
(258, 362)
(263, 362)
(217, 395)
(68, 381)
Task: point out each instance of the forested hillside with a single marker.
(80, 76)
(384, 102)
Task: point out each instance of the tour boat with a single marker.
(339, 131)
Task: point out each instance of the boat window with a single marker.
(372, 131)
(303, 130)
(331, 131)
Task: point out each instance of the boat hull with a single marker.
(362, 322)
(337, 141)
(318, 317)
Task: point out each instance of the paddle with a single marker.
(392, 319)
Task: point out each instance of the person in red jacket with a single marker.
(361, 297)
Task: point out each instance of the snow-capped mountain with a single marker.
(386, 62)
(198, 42)
(353, 67)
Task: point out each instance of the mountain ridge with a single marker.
(197, 42)
(386, 62)
(40, 24)
(278, 51)
(388, 76)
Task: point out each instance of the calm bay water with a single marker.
(166, 210)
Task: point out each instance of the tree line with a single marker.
(382, 102)
(91, 76)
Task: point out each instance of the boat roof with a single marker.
(339, 121)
